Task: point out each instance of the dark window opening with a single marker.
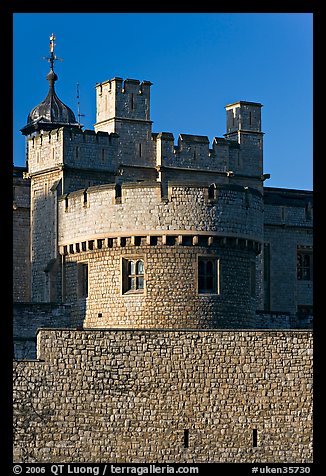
(267, 277)
(304, 311)
(304, 265)
(82, 270)
(170, 240)
(118, 193)
(208, 276)
(212, 192)
(254, 438)
(186, 438)
(252, 279)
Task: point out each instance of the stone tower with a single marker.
(45, 172)
(60, 158)
(123, 107)
(243, 125)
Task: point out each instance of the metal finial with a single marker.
(52, 44)
(52, 58)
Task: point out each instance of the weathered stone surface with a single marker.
(137, 390)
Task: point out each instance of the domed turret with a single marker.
(51, 113)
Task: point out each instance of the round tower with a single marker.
(134, 259)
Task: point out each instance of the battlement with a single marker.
(124, 99)
(73, 147)
(195, 152)
(138, 208)
(243, 116)
(124, 86)
(88, 135)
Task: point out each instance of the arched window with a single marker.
(208, 276)
(304, 264)
(133, 275)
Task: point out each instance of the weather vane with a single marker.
(52, 58)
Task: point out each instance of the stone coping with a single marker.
(152, 330)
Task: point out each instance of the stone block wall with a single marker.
(288, 226)
(44, 237)
(236, 211)
(74, 148)
(21, 237)
(28, 318)
(170, 298)
(129, 395)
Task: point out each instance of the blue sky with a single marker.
(198, 63)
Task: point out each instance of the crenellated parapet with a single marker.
(138, 208)
(194, 152)
(118, 98)
(72, 147)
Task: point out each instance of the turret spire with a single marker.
(50, 113)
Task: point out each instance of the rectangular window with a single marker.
(133, 276)
(267, 277)
(208, 275)
(304, 265)
(82, 277)
(252, 279)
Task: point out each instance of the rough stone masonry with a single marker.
(129, 395)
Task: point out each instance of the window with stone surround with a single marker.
(208, 275)
(304, 264)
(82, 280)
(133, 276)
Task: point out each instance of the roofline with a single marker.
(287, 190)
(246, 103)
